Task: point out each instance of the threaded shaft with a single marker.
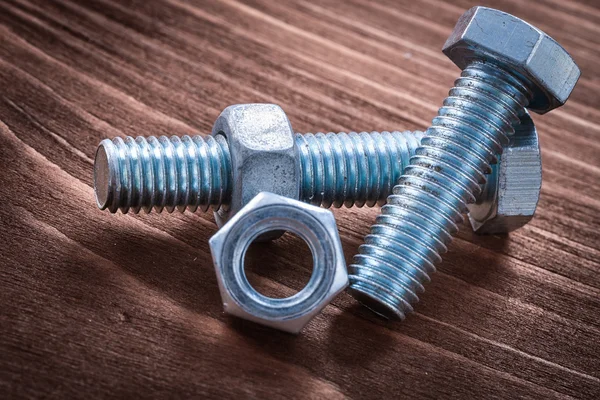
(352, 168)
(190, 172)
(421, 215)
(146, 173)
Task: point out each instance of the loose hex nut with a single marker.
(265, 213)
(509, 198)
(486, 34)
(263, 152)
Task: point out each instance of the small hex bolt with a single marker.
(336, 169)
(507, 65)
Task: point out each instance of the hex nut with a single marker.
(492, 35)
(268, 212)
(263, 154)
(509, 198)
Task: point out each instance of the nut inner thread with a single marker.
(274, 266)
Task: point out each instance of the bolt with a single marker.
(507, 65)
(141, 173)
(195, 172)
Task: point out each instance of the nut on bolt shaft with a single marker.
(336, 169)
(507, 65)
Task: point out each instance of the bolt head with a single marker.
(510, 196)
(486, 34)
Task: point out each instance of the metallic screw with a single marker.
(508, 65)
(190, 172)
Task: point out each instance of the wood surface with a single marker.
(96, 305)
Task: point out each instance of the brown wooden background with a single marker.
(100, 305)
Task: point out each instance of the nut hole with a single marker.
(279, 269)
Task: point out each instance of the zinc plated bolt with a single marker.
(507, 65)
(336, 169)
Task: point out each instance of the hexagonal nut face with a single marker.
(263, 154)
(268, 212)
(509, 198)
(487, 34)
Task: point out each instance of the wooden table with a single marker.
(100, 305)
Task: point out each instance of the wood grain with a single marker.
(97, 305)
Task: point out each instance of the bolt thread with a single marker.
(446, 174)
(162, 173)
(352, 169)
(195, 172)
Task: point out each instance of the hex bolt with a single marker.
(192, 172)
(507, 65)
(195, 172)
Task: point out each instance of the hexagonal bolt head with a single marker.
(509, 198)
(269, 212)
(263, 152)
(486, 34)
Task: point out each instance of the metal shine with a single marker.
(502, 75)
(268, 212)
(336, 169)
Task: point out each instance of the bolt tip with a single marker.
(102, 176)
(376, 305)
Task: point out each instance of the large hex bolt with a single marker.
(507, 65)
(335, 169)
